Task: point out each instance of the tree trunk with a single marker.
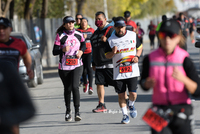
(12, 4)
(43, 42)
(44, 8)
(3, 13)
(28, 9)
(80, 5)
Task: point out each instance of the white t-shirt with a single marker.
(123, 68)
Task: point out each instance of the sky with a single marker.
(186, 4)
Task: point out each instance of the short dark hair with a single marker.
(79, 14)
(180, 14)
(100, 12)
(119, 18)
(164, 17)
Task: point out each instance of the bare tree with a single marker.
(4, 9)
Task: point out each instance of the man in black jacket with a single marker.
(102, 66)
(15, 103)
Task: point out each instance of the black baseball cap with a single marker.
(68, 19)
(172, 26)
(6, 22)
(120, 23)
(127, 14)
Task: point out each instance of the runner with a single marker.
(140, 32)
(78, 20)
(86, 57)
(152, 33)
(125, 57)
(103, 67)
(130, 25)
(11, 49)
(191, 29)
(164, 18)
(70, 45)
(172, 75)
(15, 103)
(185, 27)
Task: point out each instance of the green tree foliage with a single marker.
(156, 8)
(55, 8)
(115, 7)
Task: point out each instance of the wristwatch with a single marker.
(137, 56)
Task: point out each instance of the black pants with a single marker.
(178, 125)
(152, 37)
(86, 58)
(70, 80)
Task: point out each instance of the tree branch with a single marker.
(7, 7)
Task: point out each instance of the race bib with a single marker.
(154, 120)
(71, 60)
(125, 69)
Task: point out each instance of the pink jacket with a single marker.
(168, 91)
(74, 44)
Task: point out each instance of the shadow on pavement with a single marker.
(114, 98)
(50, 72)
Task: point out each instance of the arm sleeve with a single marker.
(21, 107)
(56, 48)
(192, 74)
(145, 72)
(83, 46)
(138, 43)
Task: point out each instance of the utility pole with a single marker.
(105, 8)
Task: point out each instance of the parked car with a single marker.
(36, 61)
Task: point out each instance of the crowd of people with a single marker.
(112, 51)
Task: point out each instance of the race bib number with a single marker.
(70, 61)
(154, 120)
(125, 69)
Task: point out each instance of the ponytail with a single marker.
(182, 40)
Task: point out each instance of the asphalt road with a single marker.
(49, 102)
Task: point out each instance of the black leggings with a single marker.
(152, 37)
(70, 80)
(87, 69)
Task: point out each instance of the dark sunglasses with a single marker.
(78, 18)
(163, 35)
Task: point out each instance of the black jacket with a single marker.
(99, 48)
(15, 103)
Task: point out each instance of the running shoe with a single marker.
(100, 108)
(133, 111)
(85, 88)
(77, 116)
(90, 90)
(125, 119)
(68, 116)
(193, 41)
